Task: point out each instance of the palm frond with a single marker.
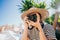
(42, 5)
(50, 20)
(27, 4)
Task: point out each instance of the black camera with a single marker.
(32, 17)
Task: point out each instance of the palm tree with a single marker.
(27, 4)
(50, 19)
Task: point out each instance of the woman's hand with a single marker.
(26, 22)
(31, 23)
(25, 33)
(35, 24)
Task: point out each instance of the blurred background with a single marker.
(11, 10)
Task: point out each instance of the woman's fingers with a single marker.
(38, 17)
(29, 22)
(25, 19)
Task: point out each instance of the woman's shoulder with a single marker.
(49, 31)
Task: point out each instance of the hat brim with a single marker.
(44, 13)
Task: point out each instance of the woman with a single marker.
(37, 25)
(34, 30)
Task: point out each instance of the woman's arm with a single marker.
(41, 33)
(55, 20)
(25, 33)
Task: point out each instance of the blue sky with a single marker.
(9, 13)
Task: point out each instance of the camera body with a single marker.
(32, 17)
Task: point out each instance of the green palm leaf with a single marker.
(50, 20)
(27, 4)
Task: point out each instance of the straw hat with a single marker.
(44, 13)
